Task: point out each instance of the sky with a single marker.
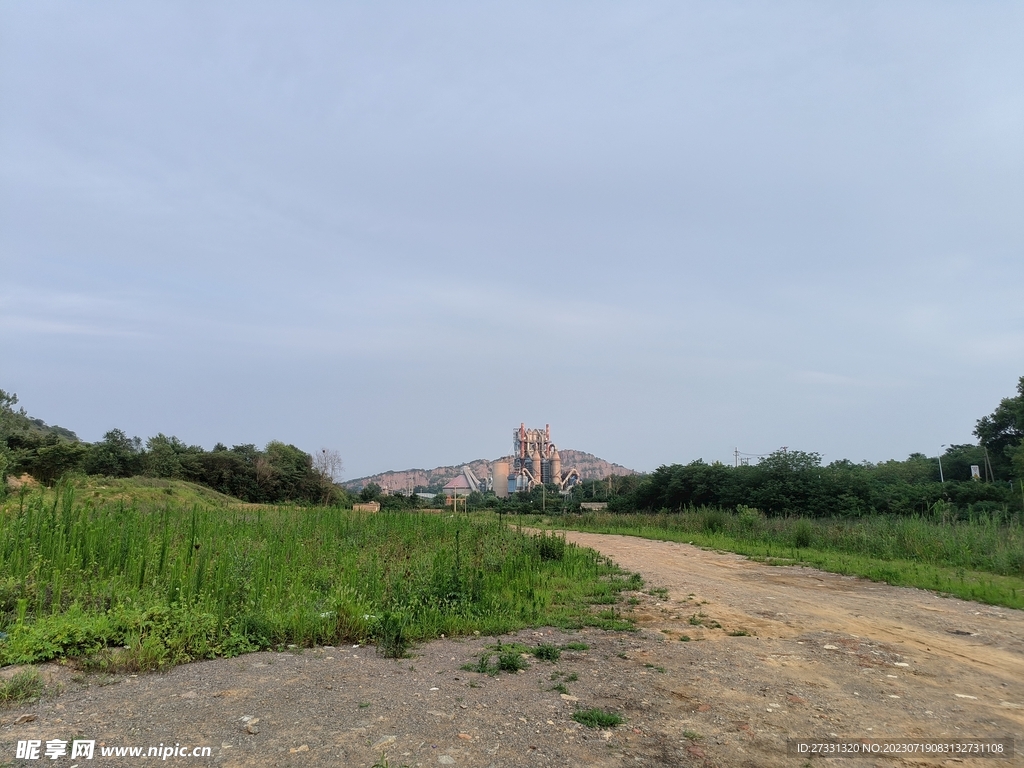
(398, 230)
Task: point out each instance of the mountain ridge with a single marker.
(590, 467)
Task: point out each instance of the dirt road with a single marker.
(827, 655)
(823, 655)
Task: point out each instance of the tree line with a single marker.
(277, 473)
(784, 483)
(794, 483)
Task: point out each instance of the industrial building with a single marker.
(534, 460)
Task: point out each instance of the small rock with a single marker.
(251, 729)
(465, 737)
(445, 759)
(25, 719)
(965, 696)
(831, 647)
(303, 748)
(567, 697)
(901, 664)
(189, 695)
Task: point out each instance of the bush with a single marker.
(392, 637)
(550, 547)
(802, 532)
(713, 520)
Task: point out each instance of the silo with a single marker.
(499, 471)
(555, 462)
(536, 464)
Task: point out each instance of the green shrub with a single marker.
(802, 533)
(392, 634)
(714, 520)
(550, 547)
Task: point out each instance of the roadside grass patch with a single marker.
(980, 558)
(597, 718)
(23, 686)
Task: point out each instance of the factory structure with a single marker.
(534, 461)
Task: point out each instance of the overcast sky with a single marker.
(398, 230)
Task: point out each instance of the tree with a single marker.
(329, 467)
(789, 483)
(60, 458)
(117, 455)
(1001, 433)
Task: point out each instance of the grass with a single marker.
(126, 582)
(980, 559)
(597, 718)
(25, 685)
(547, 652)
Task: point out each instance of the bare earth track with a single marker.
(824, 655)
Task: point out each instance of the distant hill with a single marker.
(590, 467)
(13, 422)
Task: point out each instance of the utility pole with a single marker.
(736, 457)
(941, 478)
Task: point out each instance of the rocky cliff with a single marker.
(590, 467)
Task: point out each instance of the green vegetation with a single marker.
(596, 718)
(511, 658)
(547, 652)
(120, 583)
(977, 559)
(792, 483)
(25, 685)
(278, 473)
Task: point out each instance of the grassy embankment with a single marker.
(980, 559)
(124, 576)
